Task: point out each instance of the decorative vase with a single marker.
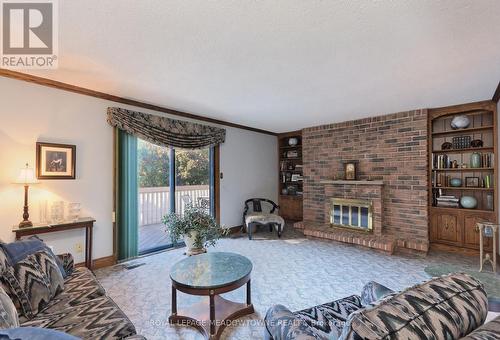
(293, 141)
(456, 182)
(475, 160)
(460, 122)
(190, 241)
(468, 202)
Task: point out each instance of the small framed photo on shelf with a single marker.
(55, 161)
(472, 182)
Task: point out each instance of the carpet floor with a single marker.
(294, 271)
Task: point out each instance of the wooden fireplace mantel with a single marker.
(344, 182)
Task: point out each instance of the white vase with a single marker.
(191, 248)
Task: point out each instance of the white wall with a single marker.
(30, 113)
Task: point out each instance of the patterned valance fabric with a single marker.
(165, 131)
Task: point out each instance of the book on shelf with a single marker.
(447, 204)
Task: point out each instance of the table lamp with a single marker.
(26, 177)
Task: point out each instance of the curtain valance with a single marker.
(165, 131)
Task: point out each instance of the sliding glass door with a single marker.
(168, 179)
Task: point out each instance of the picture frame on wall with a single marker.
(55, 161)
(472, 182)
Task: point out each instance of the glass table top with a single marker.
(210, 270)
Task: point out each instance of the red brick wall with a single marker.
(392, 148)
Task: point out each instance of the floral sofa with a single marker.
(449, 307)
(41, 292)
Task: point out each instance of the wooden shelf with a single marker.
(463, 131)
(464, 188)
(291, 147)
(462, 209)
(485, 149)
(465, 169)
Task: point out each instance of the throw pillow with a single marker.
(8, 312)
(372, 292)
(34, 281)
(34, 333)
(18, 250)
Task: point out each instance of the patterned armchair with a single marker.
(261, 212)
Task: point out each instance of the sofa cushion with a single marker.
(99, 318)
(447, 307)
(79, 287)
(34, 333)
(8, 312)
(34, 281)
(328, 319)
(488, 331)
(282, 324)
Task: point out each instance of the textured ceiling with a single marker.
(282, 65)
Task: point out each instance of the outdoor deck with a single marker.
(153, 236)
(154, 203)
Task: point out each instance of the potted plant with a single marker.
(196, 227)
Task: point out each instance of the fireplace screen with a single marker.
(351, 213)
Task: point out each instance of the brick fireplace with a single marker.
(392, 155)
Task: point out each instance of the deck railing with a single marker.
(154, 202)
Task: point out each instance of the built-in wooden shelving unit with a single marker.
(290, 170)
(456, 226)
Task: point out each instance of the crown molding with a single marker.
(106, 96)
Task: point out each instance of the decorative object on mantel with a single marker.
(293, 141)
(165, 131)
(55, 161)
(468, 202)
(460, 122)
(476, 143)
(487, 230)
(26, 177)
(446, 146)
(350, 170)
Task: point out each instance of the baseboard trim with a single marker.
(101, 262)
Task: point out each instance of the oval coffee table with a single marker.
(209, 275)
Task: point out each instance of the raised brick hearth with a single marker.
(391, 149)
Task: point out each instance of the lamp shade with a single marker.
(26, 176)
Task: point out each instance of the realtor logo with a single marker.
(29, 34)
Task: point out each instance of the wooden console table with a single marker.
(44, 228)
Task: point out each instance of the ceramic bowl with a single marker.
(456, 182)
(468, 202)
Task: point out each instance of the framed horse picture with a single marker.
(55, 161)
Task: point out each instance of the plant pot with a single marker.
(191, 248)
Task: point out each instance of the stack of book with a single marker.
(441, 161)
(447, 201)
(487, 160)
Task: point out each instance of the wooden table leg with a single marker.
(249, 293)
(174, 301)
(212, 316)
(88, 247)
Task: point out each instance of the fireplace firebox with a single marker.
(352, 213)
